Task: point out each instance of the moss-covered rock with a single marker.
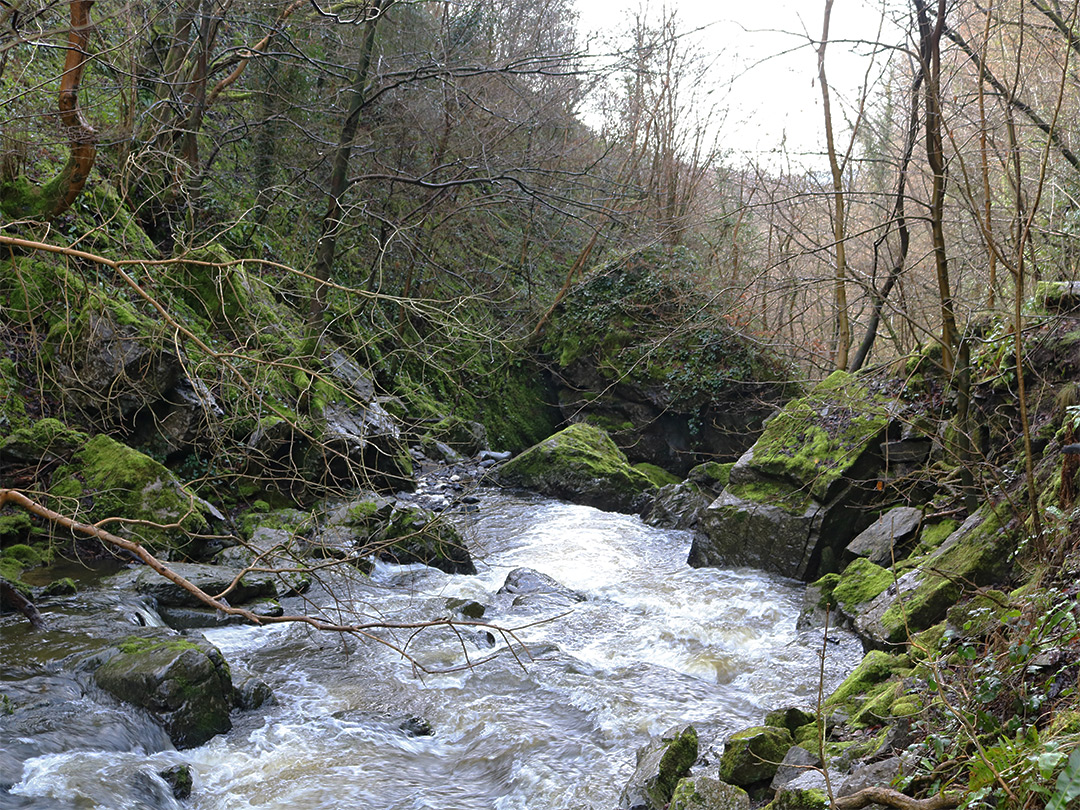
(136, 496)
(799, 799)
(641, 351)
(796, 499)
(859, 583)
(414, 535)
(661, 763)
(706, 793)
(581, 464)
(184, 683)
(753, 755)
(45, 440)
(658, 475)
(867, 695)
(976, 554)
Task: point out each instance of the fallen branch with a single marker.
(894, 798)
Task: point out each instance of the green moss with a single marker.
(826, 586)
(115, 481)
(876, 667)
(137, 645)
(43, 440)
(711, 474)
(860, 582)
(754, 754)
(579, 463)
(977, 558)
(14, 527)
(816, 439)
(799, 799)
(933, 535)
(658, 475)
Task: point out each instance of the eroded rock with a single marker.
(661, 763)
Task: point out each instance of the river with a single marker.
(561, 694)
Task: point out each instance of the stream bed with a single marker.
(565, 684)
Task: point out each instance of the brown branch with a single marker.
(896, 799)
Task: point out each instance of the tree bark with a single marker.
(19, 198)
(331, 225)
(843, 327)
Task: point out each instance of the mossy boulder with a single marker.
(43, 441)
(858, 584)
(184, 683)
(975, 555)
(105, 479)
(581, 464)
(867, 695)
(797, 498)
(753, 755)
(414, 535)
(799, 799)
(661, 763)
(641, 351)
(677, 506)
(706, 793)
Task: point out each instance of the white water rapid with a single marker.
(554, 728)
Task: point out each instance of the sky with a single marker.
(766, 66)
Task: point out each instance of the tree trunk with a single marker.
(843, 327)
(18, 198)
(327, 244)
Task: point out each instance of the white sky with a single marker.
(766, 66)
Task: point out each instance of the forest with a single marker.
(262, 258)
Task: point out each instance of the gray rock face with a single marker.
(706, 793)
(661, 763)
(184, 683)
(796, 499)
(797, 761)
(678, 506)
(360, 445)
(887, 535)
(111, 376)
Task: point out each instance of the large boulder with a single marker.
(661, 763)
(211, 579)
(753, 755)
(109, 480)
(414, 535)
(182, 682)
(706, 793)
(580, 464)
(974, 555)
(796, 499)
(115, 375)
(638, 349)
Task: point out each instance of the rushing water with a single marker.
(551, 718)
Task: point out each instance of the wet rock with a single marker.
(440, 451)
(193, 618)
(469, 608)
(796, 762)
(416, 727)
(661, 763)
(677, 506)
(414, 535)
(753, 755)
(211, 579)
(797, 498)
(251, 692)
(706, 793)
(178, 778)
(873, 775)
(579, 464)
(882, 542)
(529, 586)
(184, 683)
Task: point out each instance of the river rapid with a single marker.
(561, 694)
